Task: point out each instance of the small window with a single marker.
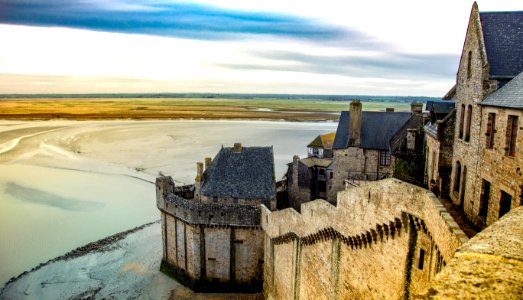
(461, 121)
(384, 158)
(491, 129)
(215, 199)
(512, 133)
(457, 178)
(469, 123)
(505, 203)
(321, 171)
(469, 65)
(421, 260)
(331, 175)
(485, 196)
(235, 200)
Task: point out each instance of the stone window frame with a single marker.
(461, 121)
(490, 130)
(384, 157)
(511, 134)
(484, 198)
(469, 123)
(469, 65)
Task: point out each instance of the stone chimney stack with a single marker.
(208, 162)
(295, 170)
(355, 123)
(198, 180)
(237, 148)
(389, 109)
(416, 107)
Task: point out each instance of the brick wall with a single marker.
(369, 245)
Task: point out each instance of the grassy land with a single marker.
(178, 108)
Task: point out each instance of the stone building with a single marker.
(212, 239)
(307, 179)
(439, 140)
(486, 179)
(361, 148)
(407, 152)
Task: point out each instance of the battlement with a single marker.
(395, 235)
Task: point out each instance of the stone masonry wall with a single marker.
(473, 84)
(210, 247)
(369, 246)
(503, 172)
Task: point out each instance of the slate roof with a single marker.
(503, 36)
(510, 95)
(377, 128)
(440, 107)
(324, 141)
(398, 142)
(248, 174)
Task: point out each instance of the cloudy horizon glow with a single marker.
(402, 47)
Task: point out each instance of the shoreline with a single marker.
(96, 246)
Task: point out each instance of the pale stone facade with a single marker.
(385, 239)
(472, 163)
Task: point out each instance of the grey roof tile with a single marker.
(248, 174)
(503, 35)
(377, 128)
(510, 95)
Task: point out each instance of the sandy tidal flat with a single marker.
(64, 184)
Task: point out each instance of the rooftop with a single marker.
(377, 128)
(509, 96)
(245, 174)
(324, 141)
(503, 35)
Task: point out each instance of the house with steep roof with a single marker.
(321, 146)
(361, 149)
(486, 179)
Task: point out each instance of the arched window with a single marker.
(469, 120)
(461, 120)
(469, 66)
(457, 177)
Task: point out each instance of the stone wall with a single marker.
(368, 246)
(354, 163)
(488, 266)
(503, 172)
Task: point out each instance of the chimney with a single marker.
(416, 107)
(355, 123)
(237, 148)
(208, 162)
(199, 172)
(389, 109)
(295, 161)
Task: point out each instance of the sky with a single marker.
(344, 47)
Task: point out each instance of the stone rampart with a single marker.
(385, 239)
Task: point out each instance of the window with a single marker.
(504, 203)
(461, 121)
(421, 258)
(469, 121)
(457, 177)
(384, 158)
(512, 133)
(491, 129)
(469, 65)
(331, 174)
(485, 196)
(321, 171)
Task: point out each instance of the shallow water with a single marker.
(67, 183)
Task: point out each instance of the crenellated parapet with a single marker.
(394, 235)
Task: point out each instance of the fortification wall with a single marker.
(210, 247)
(385, 239)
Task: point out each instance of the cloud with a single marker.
(382, 64)
(176, 19)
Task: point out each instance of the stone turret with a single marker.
(355, 123)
